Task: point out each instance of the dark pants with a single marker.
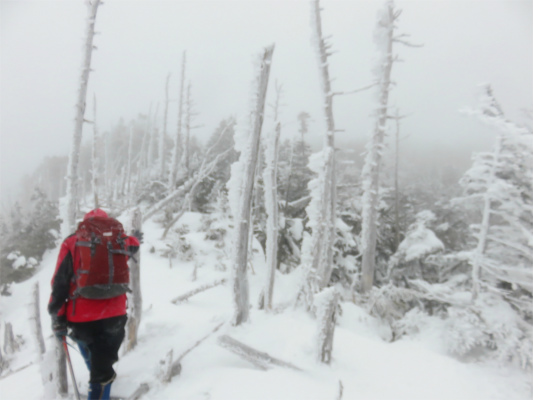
(101, 339)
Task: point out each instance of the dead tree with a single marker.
(179, 141)
(203, 288)
(317, 251)
(162, 149)
(260, 359)
(135, 298)
(385, 37)
(95, 163)
(271, 205)
(326, 303)
(248, 160)
(73, 180)
(35, 319)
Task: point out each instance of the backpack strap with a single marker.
(92, 244)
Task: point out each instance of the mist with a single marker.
(139, 43)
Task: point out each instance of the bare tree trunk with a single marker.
(95, 163)
(135, 300)
(317, 259)
(271, 205)
(325, 265)
(186, 149)
(162, 150)
(35, 318)
(60, 370)
(179, 141)
(152, 145)
(396, 186)
(127, 192)
(326, 303)
(242, 219)
(72, 184)
(371, 169)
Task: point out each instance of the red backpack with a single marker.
(103, 271)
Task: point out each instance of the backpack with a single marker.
(103, 271)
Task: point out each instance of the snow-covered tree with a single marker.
(241, 187)
(500, 183)
(384, 37)
(73, 195)
(317, 248)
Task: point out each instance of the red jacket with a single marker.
(80, 309)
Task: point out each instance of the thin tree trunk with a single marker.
(371, 169)
(128, 172)
(271, 205)
(135, 301)
(485, 224)
(327, 302)
(323, 261)
(35, 318)
(95, 163)
(186, 149)
(396, 186)
(162, 150)
(72, 183)
(60, 370)
(179, 141)
(242, 219)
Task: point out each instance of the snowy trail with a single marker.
(369, 367)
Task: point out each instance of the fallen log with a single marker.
(258, 358)
(203, 288)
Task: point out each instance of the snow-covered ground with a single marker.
(368, 366)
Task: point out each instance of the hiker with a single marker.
(95, 313)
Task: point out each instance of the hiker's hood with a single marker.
(95, 213)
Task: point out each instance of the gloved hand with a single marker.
(59, 326)
(138, 235)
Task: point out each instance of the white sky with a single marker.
(465, 43)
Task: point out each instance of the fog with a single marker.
(465, 43)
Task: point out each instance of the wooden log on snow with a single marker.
(203, 288)
(258, 358)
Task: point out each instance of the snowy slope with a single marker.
(367, 365)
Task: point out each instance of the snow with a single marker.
(369, 367)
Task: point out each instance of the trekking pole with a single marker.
(65, 347)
